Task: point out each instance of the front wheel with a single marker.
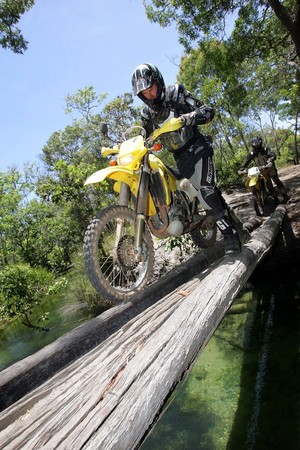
(258, 202)
(110, 258)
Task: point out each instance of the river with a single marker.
(243, 391)
(18, 341)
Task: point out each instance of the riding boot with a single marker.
(242, 232)
(284, 194)
(231, 241)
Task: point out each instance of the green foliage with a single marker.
(15, 190)
(73, 154)
(47, 237)
(194, 19)
(286, 154)
(258, 27)
(80, 289)
(84, 101)
(183, 243)
(21, 289)
(10, 14)
(227, 171)
(34, 231)
(247, 70)
(45, 214)
(242, 97)
(64, 187)
(120, 114)
(210, 72)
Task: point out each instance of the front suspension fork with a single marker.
(124, 194)
(123, 201)
(141, 207)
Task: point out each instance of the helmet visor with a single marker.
(141, 84)
(256, 142)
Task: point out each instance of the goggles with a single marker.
(142, 84)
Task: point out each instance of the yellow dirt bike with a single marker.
(153, 200)
(263, 202)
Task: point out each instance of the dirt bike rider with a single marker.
(264, 158)
(192, 152)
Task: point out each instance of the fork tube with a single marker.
(142, 199)
(124, 194)
(123, 201)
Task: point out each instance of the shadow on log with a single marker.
(109, 397)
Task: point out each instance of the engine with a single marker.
(176, 216)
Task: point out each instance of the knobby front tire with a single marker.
(109, 255)
(258, 202)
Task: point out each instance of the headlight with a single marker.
(125, 160)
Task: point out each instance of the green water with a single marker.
(243, 392)
(18, 341)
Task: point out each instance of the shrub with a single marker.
(22, 288)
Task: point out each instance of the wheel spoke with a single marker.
(110, 255)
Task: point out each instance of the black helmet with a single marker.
(144, 76)
(256, 142)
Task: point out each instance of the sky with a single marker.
(73, 44)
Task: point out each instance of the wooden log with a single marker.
(27, 374)
(110, 397)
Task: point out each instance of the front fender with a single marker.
(253, 181)
(121, 174)
(115, 173)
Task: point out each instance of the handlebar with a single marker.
(245, 171)
(171, 125)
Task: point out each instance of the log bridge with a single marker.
(102, 385)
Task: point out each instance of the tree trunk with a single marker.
(292, 26)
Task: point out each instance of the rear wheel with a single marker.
(109, 255)
(206, 234)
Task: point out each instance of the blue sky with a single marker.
(73, 44)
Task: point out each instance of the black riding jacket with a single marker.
(188, 145)
(263, 157)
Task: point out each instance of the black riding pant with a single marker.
(204, 180)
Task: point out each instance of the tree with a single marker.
(10, 14)
(289, 17)
(15, 189)
(199, 20)
(251, 72)
(46, 235)
(290, 110)
(32, 230)
(210, 73)
(71, 155)
(22, 289)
